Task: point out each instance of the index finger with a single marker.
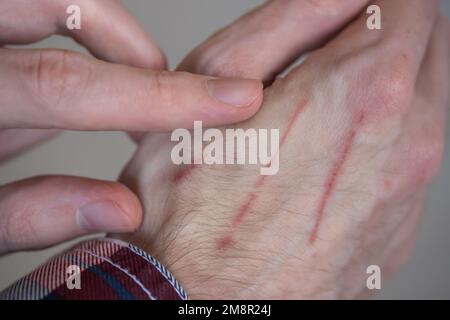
(66, 90)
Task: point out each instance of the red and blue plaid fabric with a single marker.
(109, 270)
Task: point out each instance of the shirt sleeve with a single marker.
(100, 269)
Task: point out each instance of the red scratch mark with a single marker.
(333, 177)
(183, 173)
(301, 106)
(261, 181)
(226, 241)
(251, 198)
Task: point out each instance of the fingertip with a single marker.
(133, 209)
(124, 42)
(236, 100)
(128, 203)
(256, 104)
(146, 54)
(238, 93)
(178, 99)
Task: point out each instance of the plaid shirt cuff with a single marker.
(102, 269)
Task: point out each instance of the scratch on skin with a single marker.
(251, 198)
(183, 173)
(333, 177)
(301, 106)
(226, 242)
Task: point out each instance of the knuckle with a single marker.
(55, 77)
(427, 160)
(387, 87)
(204, 63)
(395, 87)
(396, 77)
(219, 61)
(328, 7)
(421, 161)
(158, 81)
(211, 66)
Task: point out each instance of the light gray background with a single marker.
(177, 26)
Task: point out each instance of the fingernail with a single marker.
(103, 216)
(234, 92)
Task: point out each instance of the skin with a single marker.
(364, 120)
(120, 87)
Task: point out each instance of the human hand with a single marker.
(362, 124)
(57, 89)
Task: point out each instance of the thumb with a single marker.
(44, 211)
